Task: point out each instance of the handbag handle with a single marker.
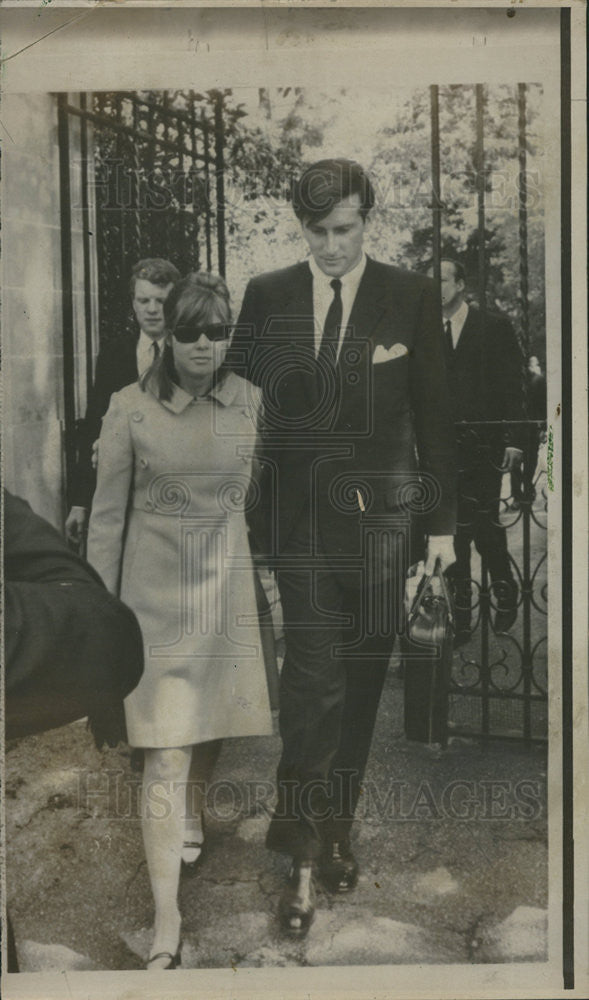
(422, 587)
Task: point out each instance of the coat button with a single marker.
(148, 505)
(137, 416)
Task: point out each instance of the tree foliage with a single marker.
(391, 136)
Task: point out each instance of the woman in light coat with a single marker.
(168, 534)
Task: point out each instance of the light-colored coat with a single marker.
(168, 534)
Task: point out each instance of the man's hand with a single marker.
(75, 525)
(512, 459)
(439, 547)
(94, 458)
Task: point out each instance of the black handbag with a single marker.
(427, 648)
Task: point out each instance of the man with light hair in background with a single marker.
(120, 362)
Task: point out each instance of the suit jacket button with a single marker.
(137, 416)
(353, 378)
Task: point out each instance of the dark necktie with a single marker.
(333, 322)
(448, 331)
(156, 350)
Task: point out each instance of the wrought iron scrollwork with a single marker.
(501, 602)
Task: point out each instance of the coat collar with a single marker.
(224, 393)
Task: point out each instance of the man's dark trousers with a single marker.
(478, 520)
(331, 683)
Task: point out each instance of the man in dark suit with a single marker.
(485, 380)
(356, 437)
(120, 362)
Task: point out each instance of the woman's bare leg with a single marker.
(165, 778)
(204, 759)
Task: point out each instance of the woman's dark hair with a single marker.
(201, 299)
(324, 184)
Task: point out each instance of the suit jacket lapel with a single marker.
(298, 303)
(353, 365)
(296, 323)
(127, 360)
(369, 304)
(469, 330)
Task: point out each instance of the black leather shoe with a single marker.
(461, 637)
(462, 632)
(504, 619)
(296, 908)
(338, 868)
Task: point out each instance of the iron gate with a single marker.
(498, 684)
(142, 175)
(150, 181)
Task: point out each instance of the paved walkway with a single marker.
(452, 847)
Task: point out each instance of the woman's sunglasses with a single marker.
(188, 334)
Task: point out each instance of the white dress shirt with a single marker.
(323, 297)
(457, 322)
(145, 351)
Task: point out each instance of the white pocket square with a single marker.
(382, 353)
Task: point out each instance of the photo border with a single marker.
(573, 694)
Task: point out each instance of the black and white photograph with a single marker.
(292, 705)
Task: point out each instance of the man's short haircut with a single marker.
(459, 272)
(154, 269)
(324, 184)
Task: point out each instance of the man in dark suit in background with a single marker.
(485, 381)
(120, 362)
(357, 434)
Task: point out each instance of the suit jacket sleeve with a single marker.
(509, 380)
(106, 532)
(434, 427)
(115, 367)
(71, 648)
(241, 354)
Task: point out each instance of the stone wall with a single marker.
(32, 411)
(32, 328)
